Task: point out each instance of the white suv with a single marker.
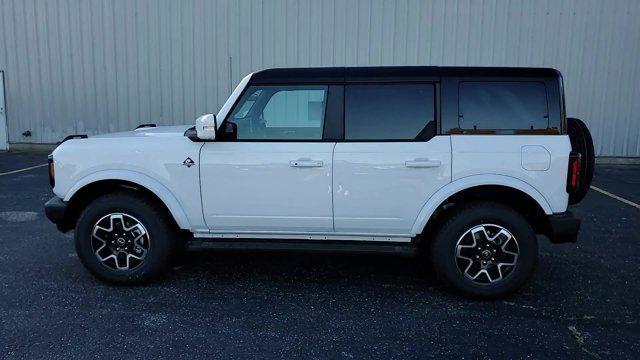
(466, 165)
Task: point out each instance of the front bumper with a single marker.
(55, 209)
(563, 228)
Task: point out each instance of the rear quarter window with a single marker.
(503, 105)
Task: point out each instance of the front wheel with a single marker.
(124, 238)
(485, 250)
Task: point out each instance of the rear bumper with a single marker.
(55, 210)
(563, 228)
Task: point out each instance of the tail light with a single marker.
(52, 173)
(573, 175)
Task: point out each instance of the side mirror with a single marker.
(206, 126)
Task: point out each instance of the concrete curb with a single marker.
(613, 160)
(20, 147)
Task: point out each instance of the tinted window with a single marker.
(281, 113)
(503, 105)
(389, 112)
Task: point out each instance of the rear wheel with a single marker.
(581, 142)
(485, 250)
(124, 238)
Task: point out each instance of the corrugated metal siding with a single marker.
(78, 66)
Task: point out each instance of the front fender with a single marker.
(464, 183)
(161, 191)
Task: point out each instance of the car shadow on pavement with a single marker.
(301, 268)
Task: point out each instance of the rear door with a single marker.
(391, 160)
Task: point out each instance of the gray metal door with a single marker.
(4, 143)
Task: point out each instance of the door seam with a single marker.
(333, 214)
(204, 219)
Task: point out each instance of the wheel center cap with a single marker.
(486, 254)
(120, 241)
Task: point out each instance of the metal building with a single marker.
(93, 66)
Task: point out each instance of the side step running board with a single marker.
(305, 246)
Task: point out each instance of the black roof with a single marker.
(389, 73)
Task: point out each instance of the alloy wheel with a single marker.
(487, 254)
(120, 241)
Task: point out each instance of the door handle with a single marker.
(305, 163)
(422, 163)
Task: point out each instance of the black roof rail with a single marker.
(391, 73)
(141, 126)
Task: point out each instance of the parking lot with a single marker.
(581, 302)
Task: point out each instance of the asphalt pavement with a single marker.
(582, 301)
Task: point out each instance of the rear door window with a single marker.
(503, 105)
(389, 112)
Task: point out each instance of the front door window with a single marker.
(281, 112)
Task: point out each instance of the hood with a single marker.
(159, 131)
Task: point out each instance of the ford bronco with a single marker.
(463, 165)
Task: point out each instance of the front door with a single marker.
(276, 176)
(4, 141)
(390, 162)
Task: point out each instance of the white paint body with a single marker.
(376, 191)
(384, 191)
(150, 157)
(251, 186)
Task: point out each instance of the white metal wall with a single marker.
(89, 66)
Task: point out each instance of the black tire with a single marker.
(444, 244)
(162, 237)
(581, 142)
